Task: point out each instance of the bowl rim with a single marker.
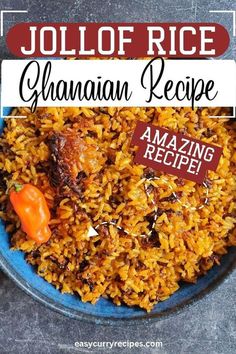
(112, 321)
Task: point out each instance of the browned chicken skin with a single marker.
(71, 160)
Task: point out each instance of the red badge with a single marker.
(174, 153)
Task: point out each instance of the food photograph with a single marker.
(114, 236)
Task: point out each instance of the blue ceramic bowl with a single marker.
(104, 312)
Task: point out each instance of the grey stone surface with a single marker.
(29, 327)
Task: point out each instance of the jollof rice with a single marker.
(154, 229)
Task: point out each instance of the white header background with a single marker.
(222, 72)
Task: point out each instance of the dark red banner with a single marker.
(174, 153)
(180, 40)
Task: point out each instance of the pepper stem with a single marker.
(16, 185)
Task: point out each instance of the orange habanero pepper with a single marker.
(30, 205)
